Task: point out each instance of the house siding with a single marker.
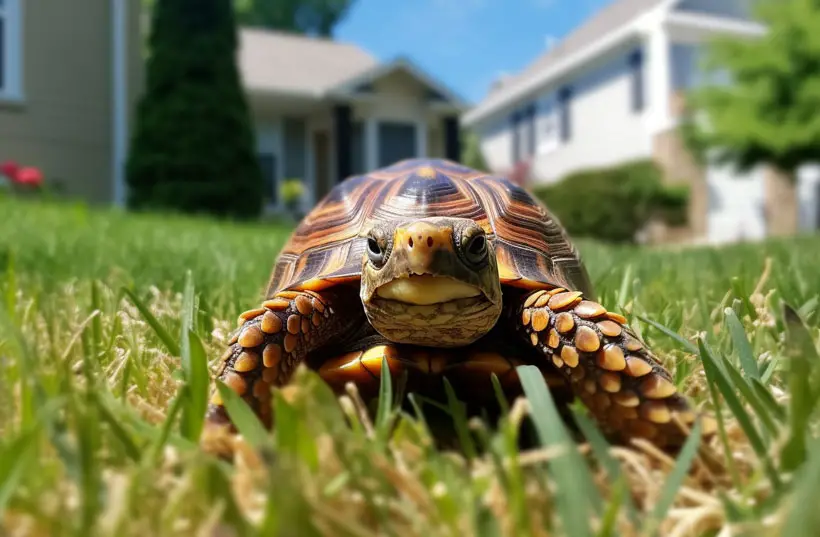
(63, 124)
(604, 127)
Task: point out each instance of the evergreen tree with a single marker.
(193, 145)
(767, 112)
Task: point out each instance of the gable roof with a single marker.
(280, 62)
(352, 85)
(598, 28)
(293, 64)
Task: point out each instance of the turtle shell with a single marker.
(326, 249)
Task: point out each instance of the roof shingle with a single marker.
(288, 63)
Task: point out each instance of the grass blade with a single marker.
(459, 416)
(15, 458)
(804, 517)
(384, 413)
(742, 346)
(715, 375)
(677, 337)
(197, 382)
(600, 448)
(675, 479)
(247, 423)
(577, 498)
(802, 358)
(159, 330)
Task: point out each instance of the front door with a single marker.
(397, 141)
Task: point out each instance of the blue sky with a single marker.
(464, 43)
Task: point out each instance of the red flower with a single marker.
(10, 169)
(29, 176)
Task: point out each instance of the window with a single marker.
(9, 49)
(515, 119)
(547, 133)
(564, 97)
(530, 114)
(3, 46)
(636, 69)
(397, 141)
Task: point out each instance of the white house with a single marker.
(324, 110)
(611, 92)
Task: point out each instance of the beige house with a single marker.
(322, 110)
(325, 110)
(67, 91)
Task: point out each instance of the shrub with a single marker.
(614, 204)
(193, 147)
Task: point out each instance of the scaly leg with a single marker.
(275, 338)
(623, 384)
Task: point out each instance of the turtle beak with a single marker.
(419, 243)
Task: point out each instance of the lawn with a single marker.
(106, 317)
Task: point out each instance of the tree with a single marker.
(312, 17)
(767, 114)
(193, 144)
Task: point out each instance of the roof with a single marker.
(280, 62)
(614, 16)
(285, 63)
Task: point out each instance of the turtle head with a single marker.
(430, 281)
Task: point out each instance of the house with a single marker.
(613, 91)
(325, 110)
(67, 91)
(322, 110)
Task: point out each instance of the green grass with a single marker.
(108, 323)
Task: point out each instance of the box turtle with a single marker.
(443, 270)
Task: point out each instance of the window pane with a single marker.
(397, 141)
(2, 51)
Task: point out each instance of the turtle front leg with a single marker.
(628, 391)
(274, 339)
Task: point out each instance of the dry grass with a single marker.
(99, 429)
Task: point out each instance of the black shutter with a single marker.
(636, 67)
(564, 97)
(342, 131)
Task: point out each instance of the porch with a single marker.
(322, 141)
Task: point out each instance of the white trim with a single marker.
(710, 24)
(119, 99)
(13, 48)
(659, 69)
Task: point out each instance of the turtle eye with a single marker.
(476, 248)
(375, 252)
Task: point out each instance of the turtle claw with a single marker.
(626, 388)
